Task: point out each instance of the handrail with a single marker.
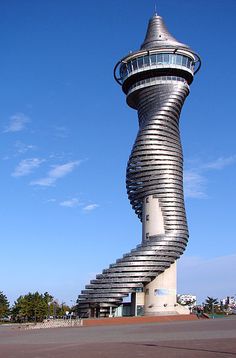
(119, 79)
(199, 63)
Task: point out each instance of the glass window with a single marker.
(123, 71)
(153, 59)
(184, 61)
(140, 62)
(134, 64)
(166, 58)
(178, 60)
(172, 59)
(129, 67)
(146, 60)
(159, 59)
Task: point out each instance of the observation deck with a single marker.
(161, 59)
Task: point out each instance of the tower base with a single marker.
(159, 297)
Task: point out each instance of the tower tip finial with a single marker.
(155, 9)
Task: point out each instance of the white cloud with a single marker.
(43, 182)
(90, 207)
(220, 163)
(195, 179)
(17, 123)
(194, 184)
(71, 203)
(27, 166)
(207, 277)
(58, 171)
(22, 148)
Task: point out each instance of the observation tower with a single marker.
(156, 81)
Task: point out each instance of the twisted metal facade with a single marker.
(156, 82)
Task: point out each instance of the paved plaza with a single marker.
(200, 338)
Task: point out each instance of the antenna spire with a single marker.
(155, 8)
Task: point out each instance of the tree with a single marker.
(31, 307)
(4, 305)
(36, 307)
(48, 298)
(58, 310)
(63, 308)
(210, 303)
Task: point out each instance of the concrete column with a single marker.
(133, 304)
(161, 295)
(152, 219)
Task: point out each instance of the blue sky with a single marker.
(66, 134)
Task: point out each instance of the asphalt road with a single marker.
(201, 338)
